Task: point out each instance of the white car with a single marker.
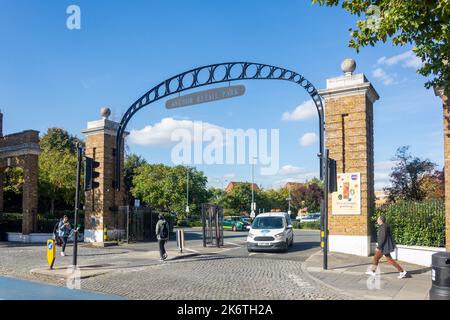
(310, 217)
(270, 231)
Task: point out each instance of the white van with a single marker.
(270, 231)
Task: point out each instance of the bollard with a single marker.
(180, 239)
(105, 233)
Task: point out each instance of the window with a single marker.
(268, 223)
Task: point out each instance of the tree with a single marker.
(276, 199)
(12, 189)
(164, 188)
(432, 186)
(57, 170)
(132, 163)
(58, 139)
(424, 23)
(307, 196)
(407, 175)
(216, 196)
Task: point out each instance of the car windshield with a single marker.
(268, 223)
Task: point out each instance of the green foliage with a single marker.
(415, 223)
(423, 23)
(216, 196)
(164, 188)
(407, 175)
(58, 139)
(12, 189)
(314, 225)
(132, 163)
(57, 178)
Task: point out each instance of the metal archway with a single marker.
(219, 73)
(227, 72)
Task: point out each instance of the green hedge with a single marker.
(415, 223)
(315, 225)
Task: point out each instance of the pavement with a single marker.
(346, 274)
(15, 289)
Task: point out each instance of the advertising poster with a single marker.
(347, 199)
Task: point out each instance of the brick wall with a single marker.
(349, 138)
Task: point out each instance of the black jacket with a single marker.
(385, 241)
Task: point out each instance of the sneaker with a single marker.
(63, 254)
(402, 275)
(165, 256)
(371, 273)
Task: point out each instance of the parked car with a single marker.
(270, 231)
(235, 223)
(311, 217)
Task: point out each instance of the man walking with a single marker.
(162, 234)
(385, 246)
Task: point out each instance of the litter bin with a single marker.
(440, 276)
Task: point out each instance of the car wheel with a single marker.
(249, 250)
(286, 247)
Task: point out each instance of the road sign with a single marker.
(51, 253)
(206, 96)
(137, 203)
(252, 214)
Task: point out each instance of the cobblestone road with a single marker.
(231, 275)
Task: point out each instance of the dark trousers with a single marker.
(64, 243)
(376, 258)
(162, 250)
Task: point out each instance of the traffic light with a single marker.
(332, 172)
(90, 174)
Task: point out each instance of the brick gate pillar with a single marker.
(30, 168)
(349, 137)
(101, 204)
(446, 111)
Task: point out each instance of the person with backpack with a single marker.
(385, 246)
(162, 234)
(56, 237)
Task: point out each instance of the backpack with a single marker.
(164, 231)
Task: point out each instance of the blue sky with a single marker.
(52, 76)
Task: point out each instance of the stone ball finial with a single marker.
(348, 66)
(105, 112)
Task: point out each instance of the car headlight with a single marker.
(251, 235)
(280, 235)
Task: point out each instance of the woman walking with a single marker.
(385, 246)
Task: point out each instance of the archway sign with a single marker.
(227, 72)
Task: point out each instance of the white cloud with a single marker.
(289, 169)
(408, 60)
(229, 175)
(160, 133)
(303, 177)
(306, 110)
(382, 171)
(308, 139)
(383, 76)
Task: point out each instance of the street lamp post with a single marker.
(187, 191)
(253, 206)
(289, 202)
